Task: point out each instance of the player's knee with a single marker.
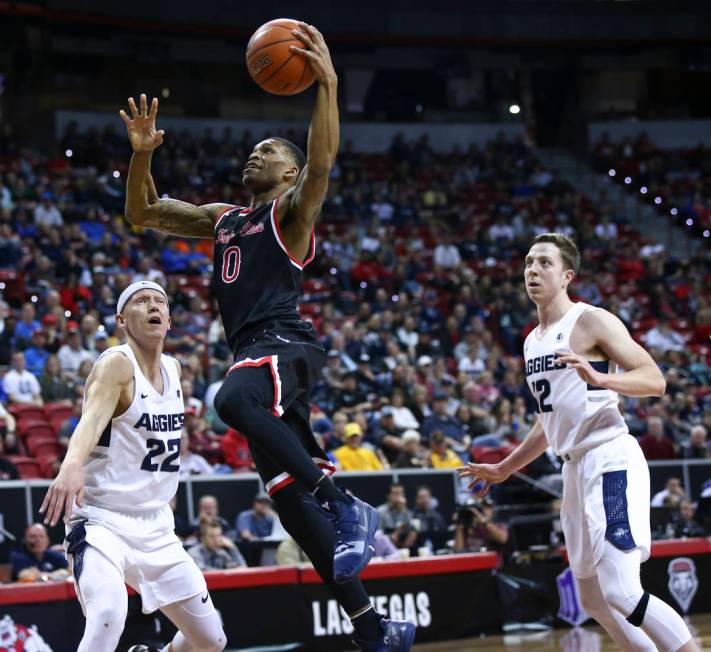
(590, 602)
(623, 599)
(106, 621)
(213, 641)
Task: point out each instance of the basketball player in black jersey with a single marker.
(260, 253)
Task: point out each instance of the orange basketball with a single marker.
(270, 62)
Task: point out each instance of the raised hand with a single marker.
(487, 473)
(142, 128)
(67, 486)
(316, 51)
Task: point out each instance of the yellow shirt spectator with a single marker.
(354, 457)
(442, 456)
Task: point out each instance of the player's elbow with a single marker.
(135, 216)
(659, 384)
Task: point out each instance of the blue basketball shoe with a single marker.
(398, 636)
(355, 524)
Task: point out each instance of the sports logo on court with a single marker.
(683, 582)
(571, 611)
(18, 638)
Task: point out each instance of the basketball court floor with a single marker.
(590, 638)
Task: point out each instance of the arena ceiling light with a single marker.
(515, 109)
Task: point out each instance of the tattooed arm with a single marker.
(143, 206)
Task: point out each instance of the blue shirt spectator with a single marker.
(440, 420)
(35, 559)
(36, 355)
(258, 522)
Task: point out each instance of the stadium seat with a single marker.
(22, 411)
(489, 454)
(60, 409)
(34, 428)
(44, 447)
(29, 468)
(46, 465)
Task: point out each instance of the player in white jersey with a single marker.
(571, 368)
(115, 483)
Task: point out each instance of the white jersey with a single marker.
(135, 465)
(575, 416)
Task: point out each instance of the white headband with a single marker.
(135, 287)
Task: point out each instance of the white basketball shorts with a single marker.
(144, 548)
(605, 497)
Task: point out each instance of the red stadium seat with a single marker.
(34, 428)
(22, 411)
(46, 465)
(56, 410)
(489, 454)
(44, 447)
(29, 469)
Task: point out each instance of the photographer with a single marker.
(474, 529)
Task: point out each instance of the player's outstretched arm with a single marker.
(530, 448)
(305, 200)
(103, 391)
(603, 330)
(143, 206)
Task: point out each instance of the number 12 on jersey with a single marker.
(542, 391)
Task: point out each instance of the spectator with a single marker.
(353, 456)
(440, 421)
(8, 438)
(66, 430)
(34, 562)
(687, 526)
(412, 455)
(28, 324)
(54, 386)
(446, 254)
(395, 518)
(442, 457)
(236, 451)
(99, 344)
(215, 551)
(475, 529)
(19, 384)
(663, 337)
(403, 418)
(671, 496)
(256, 523)
(387, 435)
(289, 553)
(429, 523)
(8, 471)
(191, 463)
(655, 444)
(72, 354)
(697, 447)
(36, 354)
(209, 510)
(46, 212)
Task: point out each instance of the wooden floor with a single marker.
(590, 638)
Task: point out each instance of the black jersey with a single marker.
(255, 278)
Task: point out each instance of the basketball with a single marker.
(272, 65)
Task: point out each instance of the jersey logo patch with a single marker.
(559, 337)
(224, 236)
(251, 229)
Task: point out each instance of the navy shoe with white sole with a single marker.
(355, 524)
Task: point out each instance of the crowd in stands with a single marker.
(676, 181)
(416, 293)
